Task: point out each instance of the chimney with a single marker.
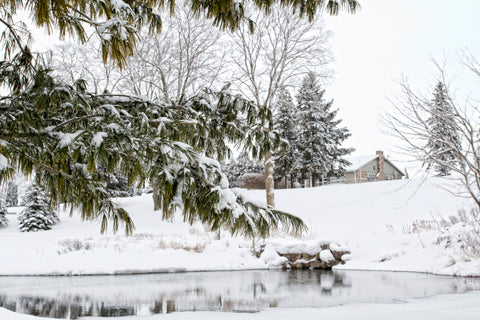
(381, 166)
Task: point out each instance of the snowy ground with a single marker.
(371, 219)
(374, 220)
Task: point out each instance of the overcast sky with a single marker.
(388, 39)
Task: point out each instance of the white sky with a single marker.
(388, 39)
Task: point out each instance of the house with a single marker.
(371, 168)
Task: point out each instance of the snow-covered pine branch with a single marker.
(71, 139)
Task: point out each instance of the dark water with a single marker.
(239, 291)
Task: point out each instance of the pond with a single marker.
(232, 291)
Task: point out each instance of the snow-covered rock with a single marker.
(326, 255)
(272, 258)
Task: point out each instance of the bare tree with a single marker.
(179, 62)
(72, 61)
(283, 48)
(184, 59)
(408, 119)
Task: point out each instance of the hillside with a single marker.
(374, 220)
(380, 223)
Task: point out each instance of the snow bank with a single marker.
(75, 247)
(371, 220)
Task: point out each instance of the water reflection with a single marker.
(245, 291)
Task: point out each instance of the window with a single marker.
(389, 177)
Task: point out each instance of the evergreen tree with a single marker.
(3, 212)
(118, 186)
(319, 137)
(444, 140)
(286, 126)
(70, 138)
(37, 214)
(12, 194)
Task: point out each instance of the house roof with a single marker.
(359, 161)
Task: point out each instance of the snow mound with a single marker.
(271, 257)
(292, 245)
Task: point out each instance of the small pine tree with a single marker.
(318, 134)
(37, 214)
(444, 139)
(285, 125)
(117, 185)
(3, 212)
(12, 195)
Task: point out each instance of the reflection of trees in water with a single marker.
(47, 307)
(258, 295)
(157, 307)
(196, 299)
(325, 280)
(213, 303)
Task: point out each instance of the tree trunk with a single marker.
(157, 200)
(269, 183)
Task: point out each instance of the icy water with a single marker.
(238, 291)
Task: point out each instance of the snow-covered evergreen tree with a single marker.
(118, 186)
(12, 195)
(319, 137)
(237, 168)
(3, 212)
(37, 214)
(164, 144)
(444, 140)
(285, 125)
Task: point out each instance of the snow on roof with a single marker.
(359, 161)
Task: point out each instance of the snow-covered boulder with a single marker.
(326, 255)
(310, 254)
(272, 258)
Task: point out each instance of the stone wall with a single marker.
(326, 257)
